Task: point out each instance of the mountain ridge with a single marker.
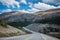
(21, 16)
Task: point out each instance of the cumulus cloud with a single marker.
(34, 7)
(9, 3)
(29, 10)
(0, 13)
(23, 1)
(58, 6)
(25, 11)
(7, 10)
(42, 6)
(52, 1)
(32, 10)
(12, 3)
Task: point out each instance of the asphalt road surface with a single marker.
(35, 36)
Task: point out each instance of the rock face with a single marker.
(39, 27)
(50, 29)
(36, 27)
(10, 31)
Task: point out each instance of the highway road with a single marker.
(33, 36)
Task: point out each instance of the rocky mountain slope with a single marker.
(50, 11)
(48, 16)
(18, 16)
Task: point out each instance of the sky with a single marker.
(28, 6)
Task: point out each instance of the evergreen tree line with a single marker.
(50, 20)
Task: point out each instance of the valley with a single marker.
(45, 22)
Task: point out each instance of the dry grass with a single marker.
(10, 31)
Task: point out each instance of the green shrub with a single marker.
(3, 23)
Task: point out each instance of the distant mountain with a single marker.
(8, 14)
(18, 16)
(48, 16)
(50, 11)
